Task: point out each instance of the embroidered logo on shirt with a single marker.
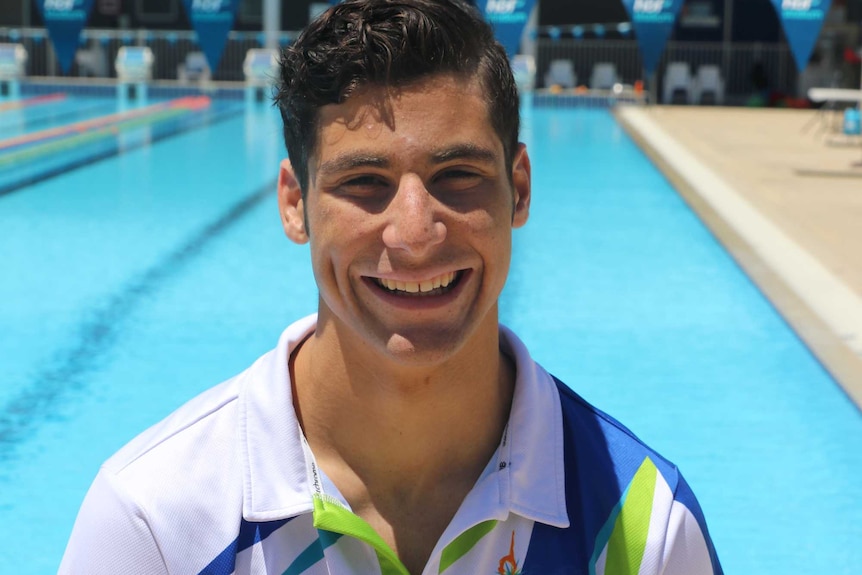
(508, 564)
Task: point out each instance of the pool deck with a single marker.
(782, 191)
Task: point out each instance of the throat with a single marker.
(413, 534)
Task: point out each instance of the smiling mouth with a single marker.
(439, 285)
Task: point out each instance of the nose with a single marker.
(413, 219)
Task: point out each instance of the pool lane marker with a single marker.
(827, 298)
(188, 103)
(34, 101)
(52, 116)
(185, 124)
(63, 143)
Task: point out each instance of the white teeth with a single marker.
(424, 286)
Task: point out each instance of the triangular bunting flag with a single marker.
(64, 20)
(212, 20)
(508, 18)
(802, 20)
(653, 22)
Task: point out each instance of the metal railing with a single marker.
(95, 58)
(98, 50)
(736, 62)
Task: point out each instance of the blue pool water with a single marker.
(135, 279)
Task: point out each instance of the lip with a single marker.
(413, 302)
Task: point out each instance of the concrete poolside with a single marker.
(783, 192)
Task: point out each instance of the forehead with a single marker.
(423, 113)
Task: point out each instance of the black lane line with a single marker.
(67, 374)
(180, 128)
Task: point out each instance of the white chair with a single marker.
(708, 86)
(604, 76)
(524, 71)
(194, 69)
(677, 87)
(260, 66)
(92, 61)
(561, 73)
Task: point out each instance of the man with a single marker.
(401, 430)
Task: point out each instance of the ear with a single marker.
(290, 204)
(522, 184)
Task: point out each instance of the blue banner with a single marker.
(64, 20)
(212, 21)
(653, 22)
(508, 18)
(802, 20)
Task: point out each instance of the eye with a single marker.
(367, 184)
(363, 181)
(459, 179)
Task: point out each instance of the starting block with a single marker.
(13, 67)
(134, 65)
(260, 68)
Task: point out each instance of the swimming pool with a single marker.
(153, 265)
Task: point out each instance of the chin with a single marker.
(426, 351)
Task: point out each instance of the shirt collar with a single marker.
(276, 482)
(276, 479)
(533, 441)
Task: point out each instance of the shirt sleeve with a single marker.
(688, 550)
(111, 535)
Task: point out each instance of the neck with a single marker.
(396, 427)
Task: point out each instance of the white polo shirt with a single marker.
(227, 485)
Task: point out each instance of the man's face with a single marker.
(410, 209)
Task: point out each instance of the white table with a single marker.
(834, 95)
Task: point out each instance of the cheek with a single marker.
(493, 236)
(338, 234)
(490, 226)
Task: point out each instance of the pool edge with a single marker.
(758, 251)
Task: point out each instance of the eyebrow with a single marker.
(351, 161)
(346, 162)
(464, 152)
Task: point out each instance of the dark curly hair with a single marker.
(389, 43)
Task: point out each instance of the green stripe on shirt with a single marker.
(464, 542)
(628, 539)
